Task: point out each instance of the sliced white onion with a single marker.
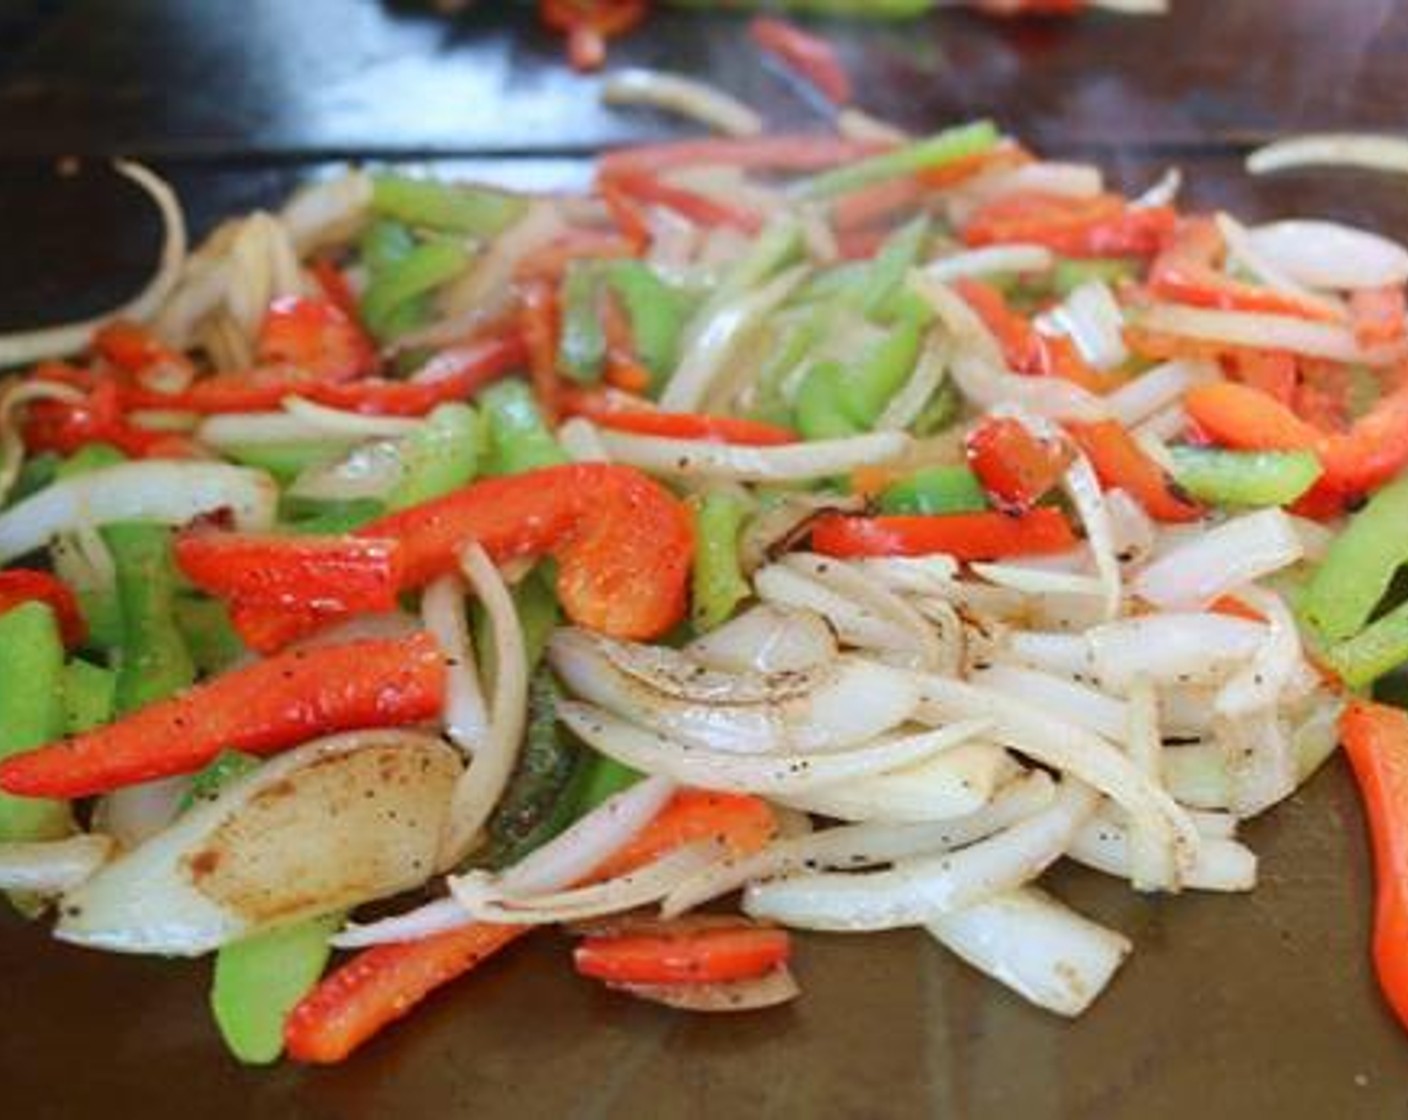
(1264, 331)
(1221, 865)
(799, 462)
(368, 470)
(1272, 668)
(767, 639)
(935, 574)
(136, 813)
(1057, 743)
(850, 847)
(21, 347)
(779, 774)
(484, 897)
(1132, 531)
(1162, 192)
(53, 866)
(1068, 700)
(1041, 949)
(1095, 323)
(699, 101)
(1038, 581)
(342, 422)
(1197, 776)
(238, 429)
(1237, 552)
(782, 585)
(990, 260)
(1083, 488)
(466, 715)
(1261, 760)
(1068, 655)
(1140, 398)
(718, 337)
(1148, 869)
(918, 890)
(1246, 252)
(1172, 648)
(581, 439)
(1332, 149)
(481, 786)
(958, 782)
(1320, 254)
(327, 212)
(843, 702)
(170, 492)
(856, 124)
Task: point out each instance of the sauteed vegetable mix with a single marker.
(860, 523)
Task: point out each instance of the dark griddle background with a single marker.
(1230, 1007)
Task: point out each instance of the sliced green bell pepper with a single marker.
(1244, 478)
(718, 585)
(923, 155)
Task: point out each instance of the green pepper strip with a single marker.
(285, 461)
(868, 386)
(421, 271)
(316, 517)
(386, 244)
(209, 635)
(778, 244)
(1359, 566)
(718, 583)
(656, 312)
(1070, 274)
(440, 456)
(518, 440)
(885, 278)
(89, 696)
(582, 346)
(154, 661)
(479, 212)
(935, 490)
(1244, 478)
(935, 151)
(821, 406)
(31, 713)
(1378, 648)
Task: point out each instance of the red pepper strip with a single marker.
(382, 984)
(1102, 226)
(623, 545)
(135, 350)
(610, 410)
(1016, 468)
(1379, 315)
(62, 427)
(1246, 419)
(1120, 463)
(325, 574)
(964, 536)
(696, 207)
(19, 585)
(538, 324)
(796, 153)
(1005, 155)
(698, 956)
(623, 371)
(871, 205)
(1024, 348)
(264, 707)
(588, 24)
(315, 335)
(1321, 394)
(629, 217)
(1373, 451)
(1273, 372)
(1186, 271)
(1375, 738)
(453, 375)
(333, 283)
(811, 57)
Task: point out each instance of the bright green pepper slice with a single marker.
(1244, 478)
(718, 583)
(518, 439)
(31, 714)
(935, 151)
(935, 490)
(440, 456)
(477, 211)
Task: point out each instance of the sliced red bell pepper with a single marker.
(1379, 315)
(698, 208)
(1120, 463)
(1016, 467)
(333, 283)
(1101, 226)
(453, 375)
(811, 57)
(1322, 393)
(135, 350)
(538, 323)
(19, 585)
(639, 417)
(623, 371)
(1375, 738)
(764, 153)
(622, 542)
(629, 216)
(692, 956)
(1246, 419)
(964, 536)
(1186, 271)
(261, 708)
(316, 336)
(1024, 348)
(64, 427)
(382, 984)
(1273, 372)
(325, 574)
